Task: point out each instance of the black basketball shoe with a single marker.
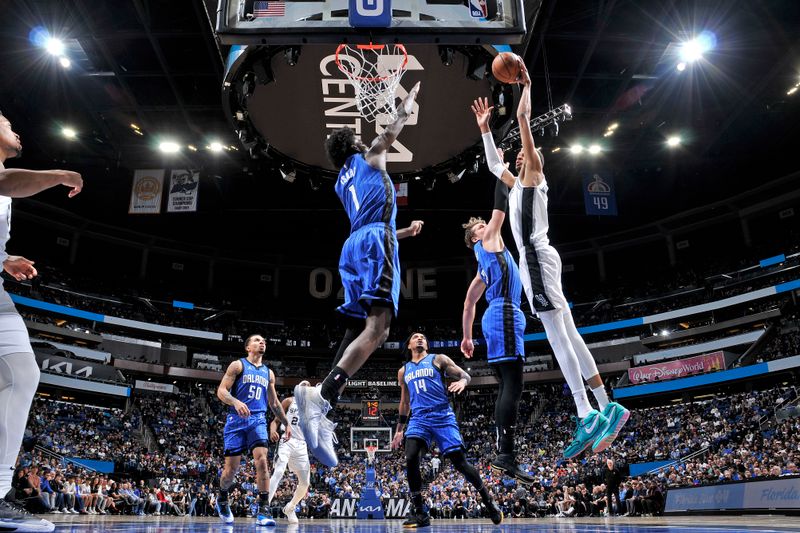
(495, 513)
(417, 520)
(506, 463)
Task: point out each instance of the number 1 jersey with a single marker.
(367, 193)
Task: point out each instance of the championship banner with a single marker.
(599, 195)
(402, 193)
(183, 187)
(677, 368)
(146, 192)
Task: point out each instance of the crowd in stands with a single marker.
(786, 342)
(735, 437)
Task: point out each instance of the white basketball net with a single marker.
(371, 453)
(375, 71)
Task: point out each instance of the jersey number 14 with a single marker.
(419, 386)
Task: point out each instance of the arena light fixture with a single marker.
(791, 91)
(664, 332)
(681, 66)
(595, 149)
(64, 62)
(169, 147)
(556, 149)
(694, 49)
(215, 146)
(54, 46)
(576, 149)
(613, 126)
(191, 147)
(609, 133)
(674, 141)
(69, 133)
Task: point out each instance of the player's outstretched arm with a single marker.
(20, 183)
(413, 229)
(376, 155)
(531, 174)
(450, 368)
(474, 294)
(276, 407)
(492, 237)
(404, 408)
(494, 156)
(224, 389)
(274, 436)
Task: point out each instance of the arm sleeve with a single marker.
(501, 196)
(493, 161)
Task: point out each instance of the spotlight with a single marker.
(674, 141)
(169, 147)
(134, 126)
(192, 147)
(291, 55)
(417, 178)
(664, 333)
(288, 173)
(595, 149)
(64, 61)
(609, 133)
(215, 146)
(556, 149)
(576, 149)
(54, 46)
(69, 133)
(691, 51)
(613, 126)
(791, 91)
(454, 178)
(681, 66)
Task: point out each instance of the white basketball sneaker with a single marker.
(291, 516)
(313, 408)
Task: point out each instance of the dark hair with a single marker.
(248, 339)
(408, 350)
(339, 146)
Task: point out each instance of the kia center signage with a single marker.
(306, 101)
(56, 364)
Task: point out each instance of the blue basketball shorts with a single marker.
(503, 326)
(370, 270)
(245, 434)
(441, 428)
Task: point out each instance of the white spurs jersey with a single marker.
(527, 208)
(293, 415)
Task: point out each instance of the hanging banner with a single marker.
(146, 192)
(599, 195)
(183, 187)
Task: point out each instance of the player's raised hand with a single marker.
(288, 433)
(19, 268)
(273, 435)
(408, 102)
(457, 387)
(397, 440)
(483, 112)
(524, 77)
(241, 409)
(467, 348)
(415, 227)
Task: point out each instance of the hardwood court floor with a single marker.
(683, 524)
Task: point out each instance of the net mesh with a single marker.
(375, 71)
(371, 450)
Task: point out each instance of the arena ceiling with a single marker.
(156, 64)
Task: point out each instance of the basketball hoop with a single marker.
(371, 450)
(375, 71)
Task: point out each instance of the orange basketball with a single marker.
(506, 67)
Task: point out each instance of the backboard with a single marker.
(287, 22)
(360, 436)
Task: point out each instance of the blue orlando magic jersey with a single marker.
(251, 386)
(500, 274)
(426, 388)
(367, 193)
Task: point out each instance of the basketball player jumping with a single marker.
(19, 373)
(503, 325)
(540, 268)
(369, 267)
(248, 386)
(423, 392)
(292, 452)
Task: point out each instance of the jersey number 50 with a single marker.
(254, 392)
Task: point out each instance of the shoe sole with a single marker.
(576, 454)
(416, 526)
(312, 439)
(34, 525)
(266, 523)
(499, 521)
(511, 474)
(609, 439)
